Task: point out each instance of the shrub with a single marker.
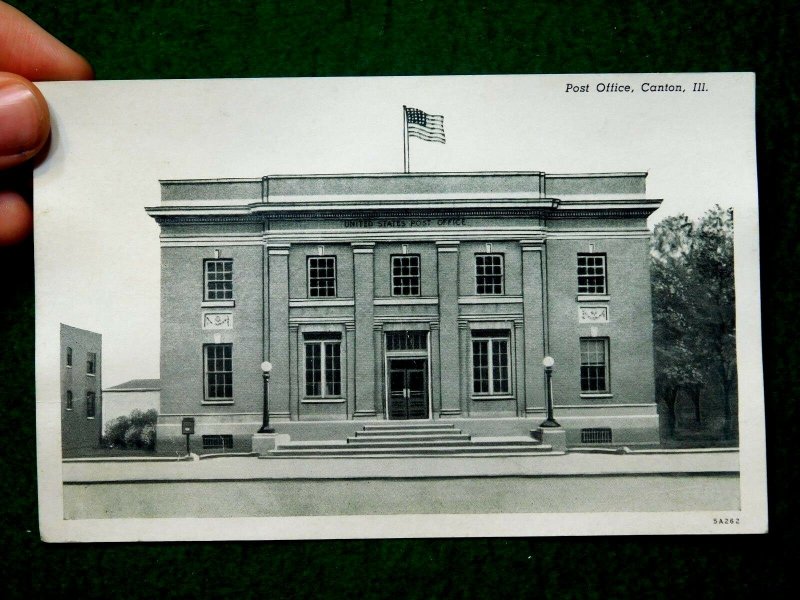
(115, 432)
(148, 437)
(137, 430)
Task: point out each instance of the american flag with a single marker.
(424, 126)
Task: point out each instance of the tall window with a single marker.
(323, 366)
(592, 274)
(218, 279)
(405, 275)
(489, 273)
(218, 371)
(594, 364)
(90, 405)
(91, 363)
(321, 276)
(490, 363)
(69, 357)
(69, 399)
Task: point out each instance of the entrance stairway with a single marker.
(394, 439)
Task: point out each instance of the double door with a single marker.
(408, 388)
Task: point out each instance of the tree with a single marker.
(694, 310)
(715, 300)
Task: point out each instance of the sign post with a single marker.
(187, 427)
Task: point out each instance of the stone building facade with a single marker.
(422, 296)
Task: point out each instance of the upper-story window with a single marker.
(321, 276)
(489, 273)
(91, 363)
(218, 276)
(69, 357)
(405, 275)
(69, 400)
(592, 275)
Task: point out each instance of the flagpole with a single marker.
(405, 140)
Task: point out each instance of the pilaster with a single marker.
(533, 311)
(449, 367)
(280, 382)
(364, 281)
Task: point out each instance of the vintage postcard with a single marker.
(399, 307)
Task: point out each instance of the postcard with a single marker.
(399, 307)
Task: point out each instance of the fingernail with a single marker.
(20, 120)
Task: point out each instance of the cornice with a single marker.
(531, 213)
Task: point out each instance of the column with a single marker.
(380, 376)
(519, 366)
(534, 324)
(436, 383)
(295, 360)
(465, 369)
(350, 361)
(449, 363)
(364, 285)
(280, 381)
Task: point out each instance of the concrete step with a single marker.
(462, 450)
(404, 425)
(393, 430)
(411, 437)
(440, 443)
(399, 443)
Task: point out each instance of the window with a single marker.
(69, 399)
(490, 363)
(218, 371)
(594, 365)
(323, 365)
(406, 340)
(489, 273)
(69, 357)
(91, 363)
(405, 275)
(217, 442)
(218, 279)
(90, 405)
(321, 276)
(592, 274)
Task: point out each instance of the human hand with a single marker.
(27, 53)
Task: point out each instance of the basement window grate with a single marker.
(217, 442)
(596, 435)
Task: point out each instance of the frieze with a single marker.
(593, 314)
(217, 320)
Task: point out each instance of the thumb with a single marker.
(24, 120)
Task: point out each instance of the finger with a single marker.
(16, 218)
(24, 120)
(27, 49)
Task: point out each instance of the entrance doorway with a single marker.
(408, 388)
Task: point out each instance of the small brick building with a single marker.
(429, 296)
(81, 382)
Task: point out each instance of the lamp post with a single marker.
(266, 368)
(548, 363)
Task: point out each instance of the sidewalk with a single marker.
(251, 468)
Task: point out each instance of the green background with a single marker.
(246, 38)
